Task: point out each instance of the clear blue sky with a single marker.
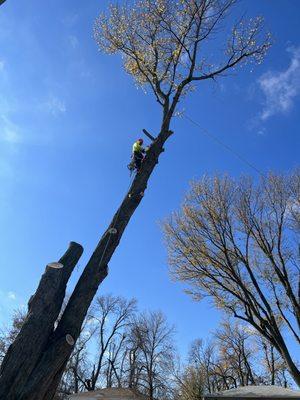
(68, 117)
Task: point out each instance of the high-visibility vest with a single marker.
(137, 148)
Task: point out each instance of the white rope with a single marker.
(113, 230)
(228, 148)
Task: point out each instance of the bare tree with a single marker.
(116, 355)
(9, 334)
(237, 243)
(206, 371)
(112, 315)
(134, 350)
(205, 358)
(191, 384)
(165, 46)
(275, 371)
(234, 356)
(236, 353)
(153, 351)
(192, 381)
(105, 326)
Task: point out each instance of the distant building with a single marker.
(109, 394)
(255, 393)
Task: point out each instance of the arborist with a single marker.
(138, 153)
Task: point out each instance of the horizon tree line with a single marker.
(120, 346)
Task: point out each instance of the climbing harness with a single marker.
(131, 166)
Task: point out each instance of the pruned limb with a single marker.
(148, 135)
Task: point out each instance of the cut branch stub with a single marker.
(70, 340)
(55, 265)
(149, 135)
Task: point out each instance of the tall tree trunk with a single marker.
(92, 276)
(52, 389)
(43, 310)
(45, 376)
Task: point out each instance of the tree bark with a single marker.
(43, 310)
(293, 369)
(58, 350)
(52, 389)
(281, 347)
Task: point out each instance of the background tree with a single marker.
(236, 354)
(165, 45)
(8, 335)
(112, 315)
(191, 384)
(275, 371)
(104, 330)
(195, 378)
(152, 345)
(222, 363)
(238, 243)
(134, 350)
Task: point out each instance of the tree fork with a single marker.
(45, 378)
(43, 310)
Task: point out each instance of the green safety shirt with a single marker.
(137, 148)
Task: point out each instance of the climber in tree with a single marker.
(138, 153)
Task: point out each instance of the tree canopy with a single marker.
(238, 242)
(166, 44)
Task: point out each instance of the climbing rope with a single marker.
(224, 145)
(113, 231)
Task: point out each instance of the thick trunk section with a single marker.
(58, 351)
(43, 310)
(46, 376)
(52, 390)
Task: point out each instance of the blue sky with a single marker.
(68, 117)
